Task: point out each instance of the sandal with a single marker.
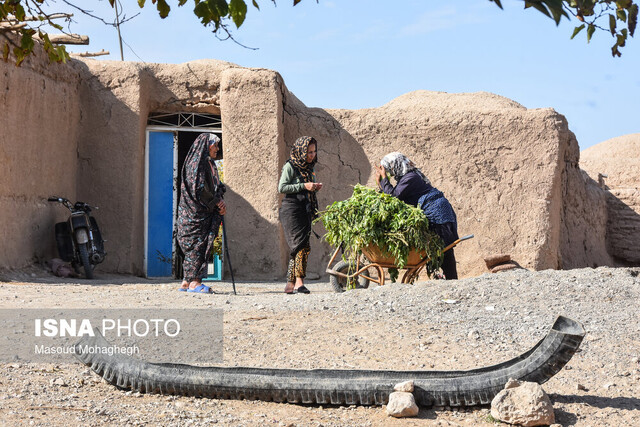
(302, 290)
(202, 289)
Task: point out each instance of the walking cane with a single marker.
(226, 251)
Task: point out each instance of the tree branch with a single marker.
(91, 54)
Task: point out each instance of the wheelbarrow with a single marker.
(377, 260)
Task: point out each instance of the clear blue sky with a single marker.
(363, 53)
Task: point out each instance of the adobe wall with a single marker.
(253, 141)
(511, 173)
(498, 163)
(39, 115)
(119, 97)
(584, 215)
(619, 159)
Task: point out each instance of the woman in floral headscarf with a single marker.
(200, 210)
(414, 188)
(299, 208)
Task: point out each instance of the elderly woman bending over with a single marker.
(415, 189)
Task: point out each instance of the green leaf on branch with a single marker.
(18, 12)
(163, 8)
(203, 11)
(220, 6)
(238, 11)
(255, 4)
(542, 8)
(633, 19)
(612, 24)
(26, 42)
(5, 52)
(140, 3)
(577, 30)
(63, 55)
(590, 30)
(555, 6)
(622, 15)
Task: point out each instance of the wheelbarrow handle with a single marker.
(467, 237)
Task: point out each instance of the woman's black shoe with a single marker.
(302, 290)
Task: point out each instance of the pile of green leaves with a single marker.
(371, 217)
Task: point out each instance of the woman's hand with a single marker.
(312, 186)
(380, 173)
(222, 207)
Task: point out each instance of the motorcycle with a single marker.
(79, 239)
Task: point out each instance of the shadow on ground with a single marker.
(602, 402)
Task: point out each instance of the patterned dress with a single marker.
(198, 216)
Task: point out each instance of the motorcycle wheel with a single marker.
(84, 258)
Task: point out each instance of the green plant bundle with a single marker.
(371, 217)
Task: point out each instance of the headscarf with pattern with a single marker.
(195, 166)
(299, 161)
(398, 165)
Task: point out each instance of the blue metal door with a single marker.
(160, 201)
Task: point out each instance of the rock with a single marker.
(406, 386)
(581, 387)
(493, 260)
(402, 404)
(512, 384)
(58, 381)
(503, 267)
(526, 404)
(473, 334)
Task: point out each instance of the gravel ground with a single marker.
(437, 325)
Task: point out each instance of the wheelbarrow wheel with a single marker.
(341, 284)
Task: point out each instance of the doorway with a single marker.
(169, 138)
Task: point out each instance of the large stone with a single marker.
(493, 260)
(406, 386)
(523, 403)
(402, 404)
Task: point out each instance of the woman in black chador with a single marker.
(200, 210)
